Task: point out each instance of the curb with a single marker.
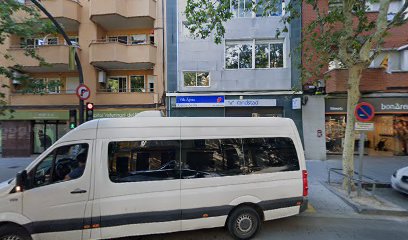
(368, 211)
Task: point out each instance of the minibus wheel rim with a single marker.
(11, 237)
(244, 223)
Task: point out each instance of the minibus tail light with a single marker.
(305, 183)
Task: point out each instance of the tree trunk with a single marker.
(353, 96)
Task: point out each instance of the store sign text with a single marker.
(250, 103)
(395, 106)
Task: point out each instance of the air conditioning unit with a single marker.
(15, 79)
(102, 76)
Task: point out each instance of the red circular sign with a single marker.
(364, 112)
(83, 92)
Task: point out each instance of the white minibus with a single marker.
(112, 178)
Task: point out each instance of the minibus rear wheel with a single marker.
(244, 222)
(13, 232)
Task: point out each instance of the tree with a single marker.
(343, 33)
(21, 20)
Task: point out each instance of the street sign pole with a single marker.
(364, 113)
(360, 164)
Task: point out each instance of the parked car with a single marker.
(399, 180)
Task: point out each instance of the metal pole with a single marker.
(360, 166)
(77, 61)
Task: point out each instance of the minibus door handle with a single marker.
(78, 191)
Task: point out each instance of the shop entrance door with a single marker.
(47, 133)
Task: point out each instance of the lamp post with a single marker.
(77, 61)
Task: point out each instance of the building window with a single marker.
(138, 39)
(266, 9)
(335, 5)
(246, 56)
(53, 85)
(244, 8)
(238, 55)
(137, 84)
(74, 40)
(140, 161)
(117, 84)
(52, 41)
(196, 79)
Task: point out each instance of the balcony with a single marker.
(55, 55)
(19, 99)
(373, 80)
(123, 14)
(115, 55)
(125, 98)
(66, 12)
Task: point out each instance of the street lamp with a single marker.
(77, 61)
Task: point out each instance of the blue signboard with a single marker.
(200, 101)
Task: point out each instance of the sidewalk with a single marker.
(379, 168)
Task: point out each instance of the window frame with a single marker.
(253, 13)
(54, 153)
(143, 90)
(254, 42)
(196, 77)
(118, 77)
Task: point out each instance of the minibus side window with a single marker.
(63, 164)
(204, 158)
(138, 161)
(267, 155)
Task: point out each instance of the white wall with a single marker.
(313, 120)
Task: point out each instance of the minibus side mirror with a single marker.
(21, 179)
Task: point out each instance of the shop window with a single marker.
(139, 161)
(137, 83)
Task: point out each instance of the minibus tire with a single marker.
(13, 232)
(244, 222)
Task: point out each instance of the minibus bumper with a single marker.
(303, 206)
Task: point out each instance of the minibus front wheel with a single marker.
(13, 232)
(244, 222)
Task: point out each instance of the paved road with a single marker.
(308, 227)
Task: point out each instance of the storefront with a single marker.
(27, 132)
(390, 135)
(195, 105)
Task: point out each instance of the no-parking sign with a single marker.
(364, 112)
(83, 92)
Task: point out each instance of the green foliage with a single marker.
(12, 23)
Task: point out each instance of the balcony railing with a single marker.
(57, 57)
(116, 55)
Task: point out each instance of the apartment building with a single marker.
(384, 84)
(120, 46)
(252, 73)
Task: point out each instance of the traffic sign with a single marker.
(83, 92)
(364, 112)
